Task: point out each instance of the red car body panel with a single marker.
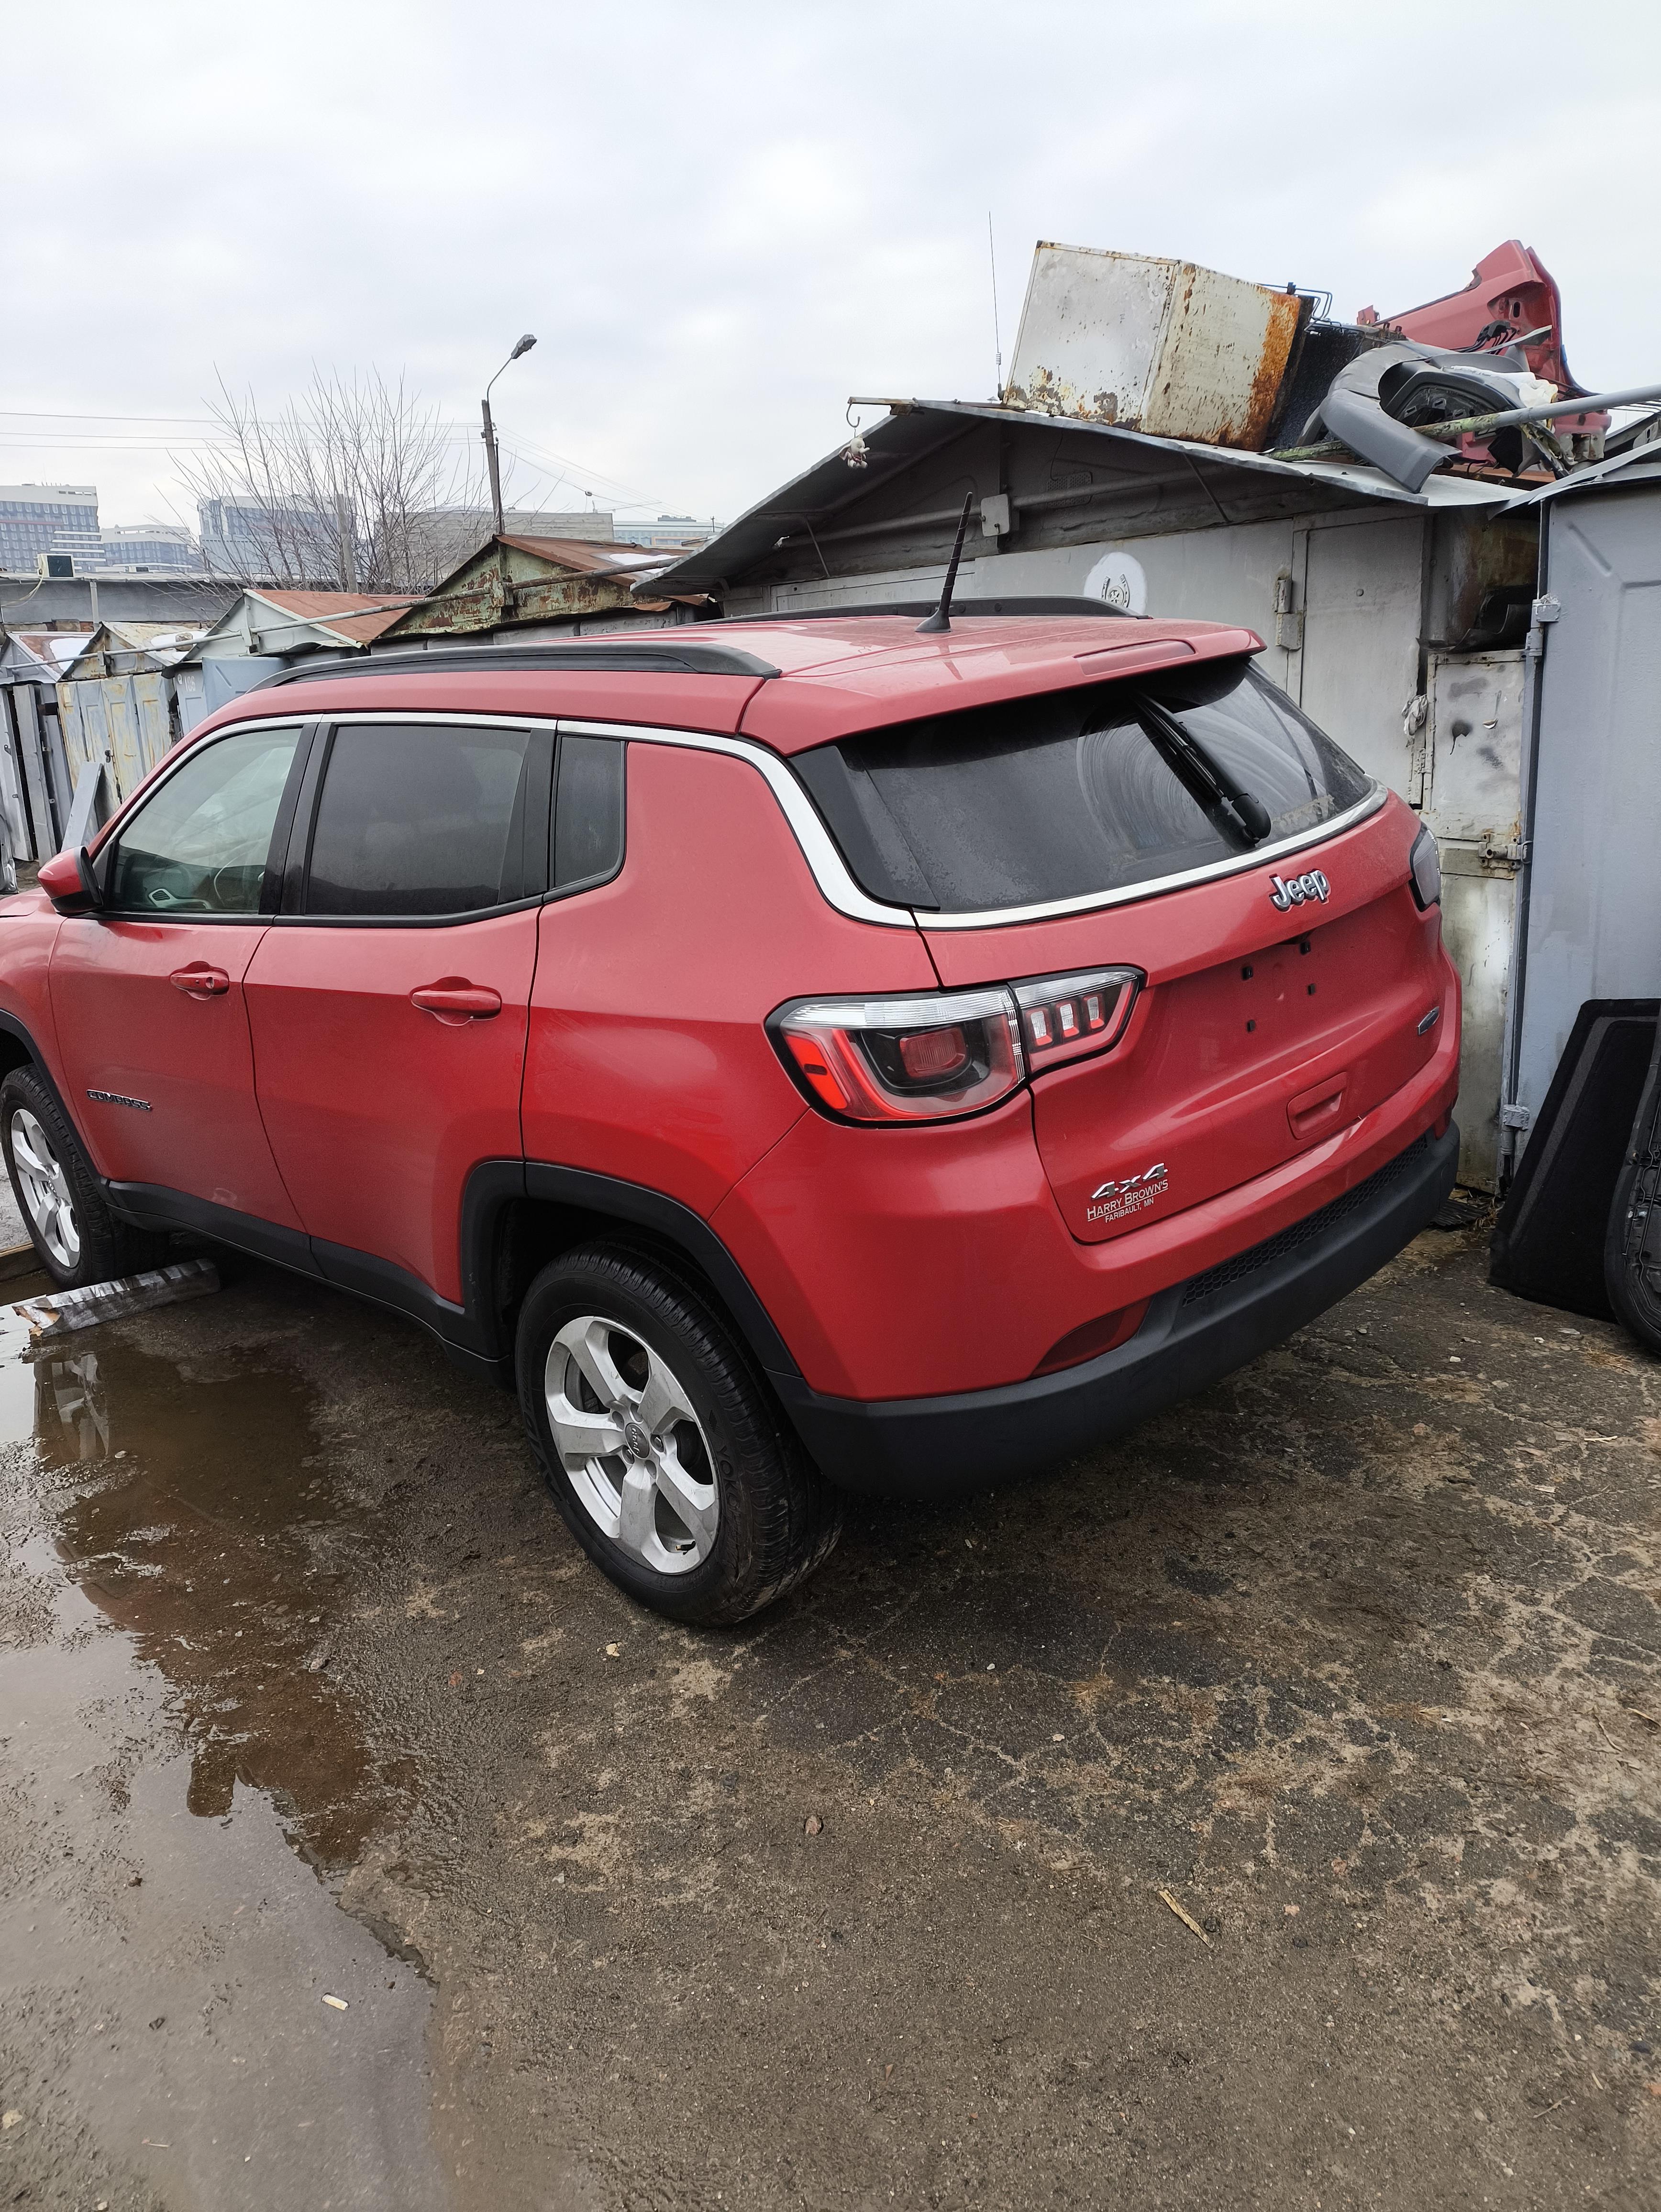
(378, 1110)
(126, 1030)
(1332, 993)
(648, 1060)
(29, 924)
(1213, 1102)
(917, 1262)
(882, 680)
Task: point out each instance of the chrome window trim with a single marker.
(829, 869)
(1156, 886)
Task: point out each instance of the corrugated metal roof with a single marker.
(331, 611)
(51, 648)
(1635, 466)
(918, 425)
(584, 554)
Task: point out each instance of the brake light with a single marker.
(906, 1060)
(937, 1057)
(1065, 1017)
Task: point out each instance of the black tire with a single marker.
(1632, 1248)
(105, 1246)
(777, 1517)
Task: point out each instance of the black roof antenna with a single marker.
(941, 618)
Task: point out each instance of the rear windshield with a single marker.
(1071, 793)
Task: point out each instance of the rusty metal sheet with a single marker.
(511, 583)
(1163, 347)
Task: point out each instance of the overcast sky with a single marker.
(721, 221)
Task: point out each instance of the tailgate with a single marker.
(1246, 1047)
(1280, 1007)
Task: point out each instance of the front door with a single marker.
(147, 993)
(389, 1008)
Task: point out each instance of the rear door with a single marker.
(148, 993)
(388, 1002)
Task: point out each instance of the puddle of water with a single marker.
(199, 1532)
(171, 1760)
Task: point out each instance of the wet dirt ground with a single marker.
(305, 1693)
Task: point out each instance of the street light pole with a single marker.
(493, 458)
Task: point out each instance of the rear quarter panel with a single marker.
(648, 1060)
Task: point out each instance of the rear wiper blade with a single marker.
(1237, 814)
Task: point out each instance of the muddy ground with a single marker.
(305, 1692)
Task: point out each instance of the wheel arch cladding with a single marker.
(519, 1216)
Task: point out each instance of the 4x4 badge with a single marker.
(1113, 1200)
(1285, 895)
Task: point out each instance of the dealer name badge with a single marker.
(1119, 1197)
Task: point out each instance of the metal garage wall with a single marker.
(1361, 584)
(1594, 918)
(29, 712)
(122, 720)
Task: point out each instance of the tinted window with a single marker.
(1068, 792)
(419, 819)
(199, 846)
(587, 810)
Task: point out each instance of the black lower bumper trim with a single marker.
(1195, 1333)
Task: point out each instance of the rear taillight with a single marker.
(905, 1060)
(1065, 1017)
(1425, 865)
(951, 1052)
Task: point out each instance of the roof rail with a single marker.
(1053, 604)
(582, 655)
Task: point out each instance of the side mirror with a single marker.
(69, 882)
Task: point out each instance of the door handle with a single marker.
(1318, 1109)
(198, 980)
(454, 1000)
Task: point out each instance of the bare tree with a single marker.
(329, 491)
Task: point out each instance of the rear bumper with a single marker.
(1194, 1332)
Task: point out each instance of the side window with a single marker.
(200, 845)
(418, 818)
(588, 811)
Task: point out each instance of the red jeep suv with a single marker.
(806, 1054)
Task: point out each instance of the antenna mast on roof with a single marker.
(941, 618)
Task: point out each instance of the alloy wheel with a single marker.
(45, 1189)
(632, 1446)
